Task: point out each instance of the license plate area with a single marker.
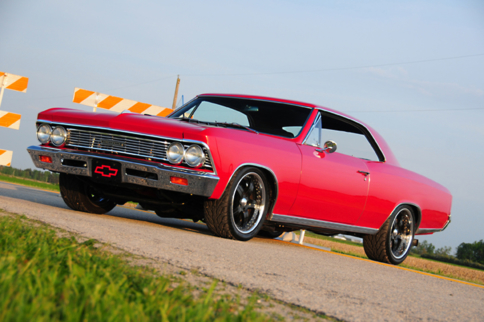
(106, 170)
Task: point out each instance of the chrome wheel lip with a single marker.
(397, 236)
(259, 205)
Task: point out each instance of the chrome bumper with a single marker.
(424, 231)
(79, 163)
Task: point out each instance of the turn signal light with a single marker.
(177, 180)
(45, 158)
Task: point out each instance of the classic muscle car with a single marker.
(245, 165)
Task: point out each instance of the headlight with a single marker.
(58, 136)
(43, 133)
(175, 153)
(194, 156)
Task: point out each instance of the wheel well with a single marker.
(418, 214)
(271, 179)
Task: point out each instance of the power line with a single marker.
(337, 68)
(429, 110)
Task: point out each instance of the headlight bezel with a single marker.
(44, 140)
(62, 136)
(180, 152)
(199, 154)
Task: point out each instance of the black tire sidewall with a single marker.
(390, 255)
(233, 186)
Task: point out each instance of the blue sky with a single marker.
(380, 61)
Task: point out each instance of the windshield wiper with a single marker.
(233, 124)
(237, 125)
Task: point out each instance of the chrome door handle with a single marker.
(364, 172)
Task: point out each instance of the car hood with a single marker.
(130, 122)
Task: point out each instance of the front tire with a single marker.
(393, 241)
(241, 211)
(79, 196)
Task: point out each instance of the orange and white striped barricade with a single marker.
(7, 119)
(10, 120)
(5, 157)
(116, 104)
(13, 82)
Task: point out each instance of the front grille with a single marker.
(118, 143)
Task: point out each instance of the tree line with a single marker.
(468, 254)
(44, 176)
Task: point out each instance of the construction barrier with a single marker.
(10, 120)
(5, 157)
(116, 104)
(7, 119)
(14, 82)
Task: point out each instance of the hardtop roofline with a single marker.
(380, 141)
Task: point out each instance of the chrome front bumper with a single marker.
(132, 171)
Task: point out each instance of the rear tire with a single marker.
(242, 209)
(393, 241)
(81, 197)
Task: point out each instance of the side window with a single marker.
(348, 137)
(314, 138)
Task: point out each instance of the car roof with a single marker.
(384, 147)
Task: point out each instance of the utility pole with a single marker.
(176, 91)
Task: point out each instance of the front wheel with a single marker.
(241, 211)
(79, 196)
(393, 241)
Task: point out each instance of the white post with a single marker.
(302, 232)
(3, 88)
(1, 95)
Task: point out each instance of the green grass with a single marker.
(44, 277)
(29, 182)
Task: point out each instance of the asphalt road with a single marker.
(342, 287)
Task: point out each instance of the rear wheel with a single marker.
(79, 196)
(393, 241)
(241, 211)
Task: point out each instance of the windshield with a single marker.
(262, 116)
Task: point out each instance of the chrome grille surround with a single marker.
(148, 147)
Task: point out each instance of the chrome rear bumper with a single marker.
(132, 171)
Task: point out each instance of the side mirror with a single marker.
(329, 147)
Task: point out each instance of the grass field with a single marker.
(29, 182)
(44, 277)
(438, 268)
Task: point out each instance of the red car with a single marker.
(245, 165)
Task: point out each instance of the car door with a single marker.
(334, 186)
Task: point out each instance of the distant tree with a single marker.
(424, 248)
(473, 252)
(444, 251)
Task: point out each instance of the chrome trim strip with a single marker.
(427, 230)
(432, 230)
(322, 224)
(316, 119)
(200, 183)
(406, 203)
(257, 99)
(447, 223)
(351, 120)
(137, 133)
